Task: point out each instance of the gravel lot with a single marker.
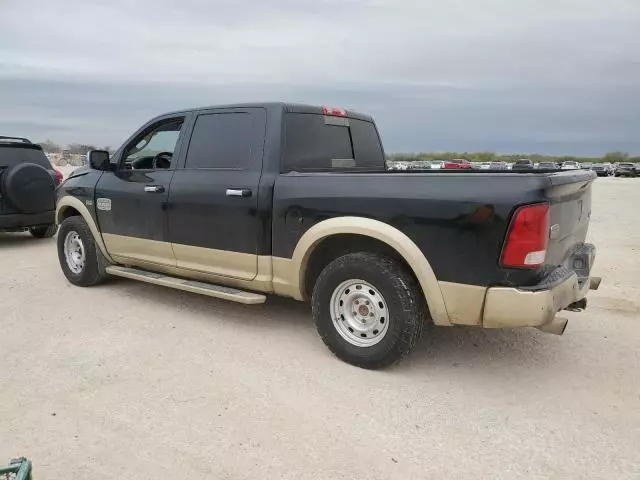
(128, 380)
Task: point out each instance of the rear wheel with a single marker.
(46, 231)
(81, 260)
(368, 309)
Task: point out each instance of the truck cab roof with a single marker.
(277, 106)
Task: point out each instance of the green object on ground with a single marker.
(18, 469)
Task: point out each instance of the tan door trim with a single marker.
(226, 263)
(152, 251)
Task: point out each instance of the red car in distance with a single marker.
(457, 164)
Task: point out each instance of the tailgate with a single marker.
(569, 195)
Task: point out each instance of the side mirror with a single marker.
(98, 160)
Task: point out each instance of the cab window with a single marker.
(154, 148)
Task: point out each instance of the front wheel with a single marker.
(81, 260)
(368, 309)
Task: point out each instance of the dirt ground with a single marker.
(128, 380)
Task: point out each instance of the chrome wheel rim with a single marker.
(74, 252)
(359, 313)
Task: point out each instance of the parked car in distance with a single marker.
(586, 165)
(27, 188)
(420, 165)
(626, 170)
(570, 166)
(601, 169)
(247, 200)
(498, 166)
(548, 166)
(610, 167)
(457, 164)
(523, 164)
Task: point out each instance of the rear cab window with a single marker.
(325, 143)
(222, 141)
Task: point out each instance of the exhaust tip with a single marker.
(594, 283)
(555, 326)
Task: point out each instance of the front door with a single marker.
(214, 221)
(131, 202)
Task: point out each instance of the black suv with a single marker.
(523, 164)
(27, 188)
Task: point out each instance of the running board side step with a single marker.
(209, 289)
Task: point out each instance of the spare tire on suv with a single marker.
(29, 188)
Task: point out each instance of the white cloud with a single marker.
(397, 48)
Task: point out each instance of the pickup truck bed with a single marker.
(458, 219)
(295, 200)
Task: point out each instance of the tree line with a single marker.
(73, 148)
(482, 157)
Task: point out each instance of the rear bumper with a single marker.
(537, 306)
(19, 221)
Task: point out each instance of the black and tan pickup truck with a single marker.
(241, 201)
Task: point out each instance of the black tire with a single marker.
(94, 270)
(46, 231)
(405, 305)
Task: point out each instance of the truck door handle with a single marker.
(154, 188)
(238, 192)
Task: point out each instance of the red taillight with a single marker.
(528, 237)
(336, 112)
(59, 175)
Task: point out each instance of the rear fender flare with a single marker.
(74, 203)
(384, 232)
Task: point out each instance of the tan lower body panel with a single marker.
(217, 262)
(465, 303)
(240, 270)
(509, 307)
(201, 288)
(141, 249)
(286, 279)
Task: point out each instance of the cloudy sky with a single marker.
(549, 76)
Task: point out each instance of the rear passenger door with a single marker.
(214, 225)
